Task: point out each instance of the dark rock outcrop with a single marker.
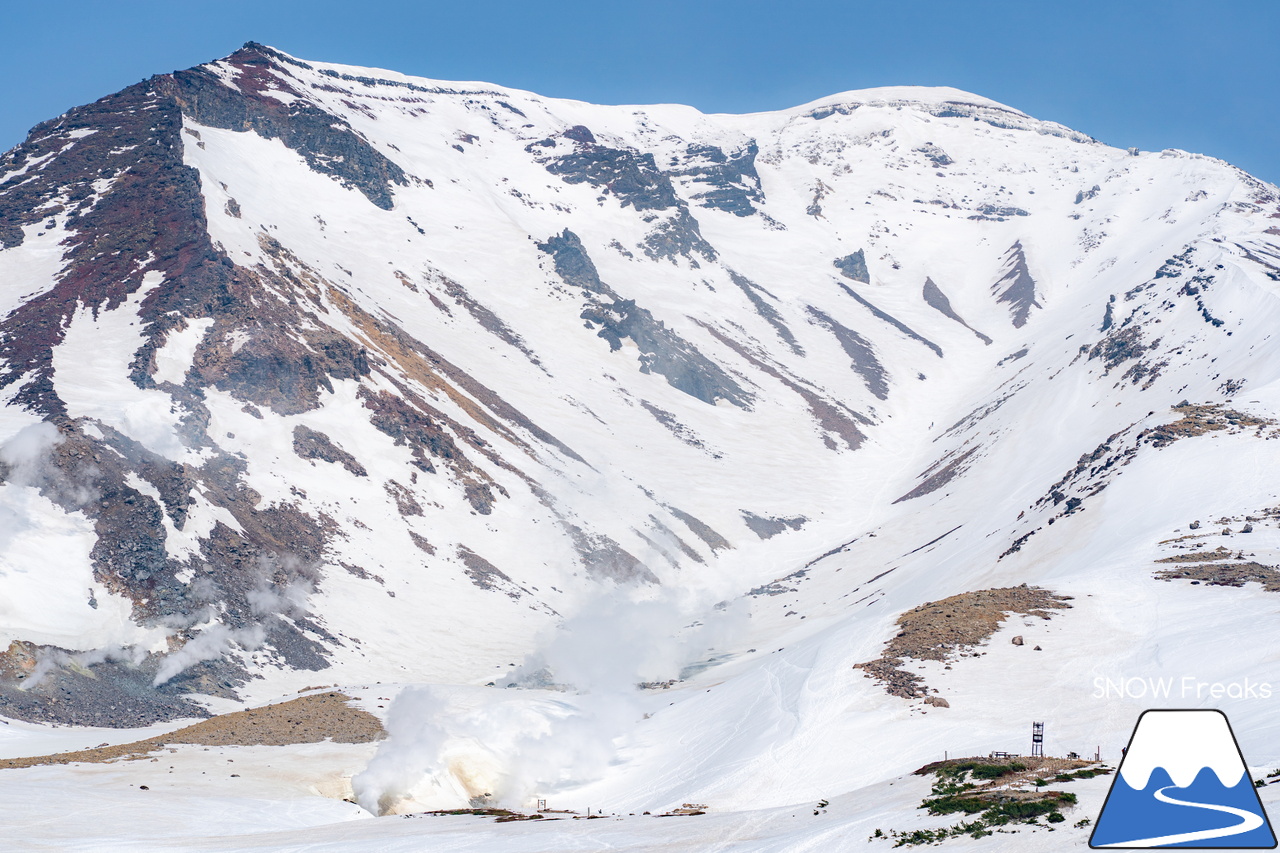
(724, 181)
(1015, 287)
(862, 355)
(312, 444)
(767, 527)
(938, 301)
(853, 267)
(327, 142)
(662, 351)
(633, 178)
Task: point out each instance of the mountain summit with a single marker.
(319, 374)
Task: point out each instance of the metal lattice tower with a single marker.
(1037, 740)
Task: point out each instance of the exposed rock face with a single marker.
(134, 209)
(863, 358)
(661, 350)
(113, 693)
(150, 209)
(327, 142)
(284, 345)
(313, 444)
(1016, 287)
(997, 212)
(723, 180)
(935, 155)
(766, 527)
(488, 576)
(1085, 195)
(892, 321)
(115, 180)
(854, 267)
(633, 177)
(758, 297)
(941, 473)
(938, 300)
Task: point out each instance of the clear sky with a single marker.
(1201, 75)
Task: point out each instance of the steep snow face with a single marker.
(389, 377)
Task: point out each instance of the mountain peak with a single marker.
(926, 95)
(310, 367)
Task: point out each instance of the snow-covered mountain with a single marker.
(316, 374)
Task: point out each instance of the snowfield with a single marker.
(591, 447)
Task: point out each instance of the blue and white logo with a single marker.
(1183, 783)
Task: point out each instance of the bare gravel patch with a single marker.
(941, 630)
(307, 719)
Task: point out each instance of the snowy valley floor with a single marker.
(290, 798)
(286, 799)
(294, 797)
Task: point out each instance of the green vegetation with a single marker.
(1082, 774)
(981, 770)
(1089, 773)
(951, 794)
(974, 789)
(1012, 809)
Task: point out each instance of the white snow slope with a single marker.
(1098, 289)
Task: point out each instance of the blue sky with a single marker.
(1192, 74)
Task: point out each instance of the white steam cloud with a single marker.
(287, 600)
(48, 660)
(214, 642)
(27, 453)
(447, 748)
(26, 461)
(27, 457)
(267, 601)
